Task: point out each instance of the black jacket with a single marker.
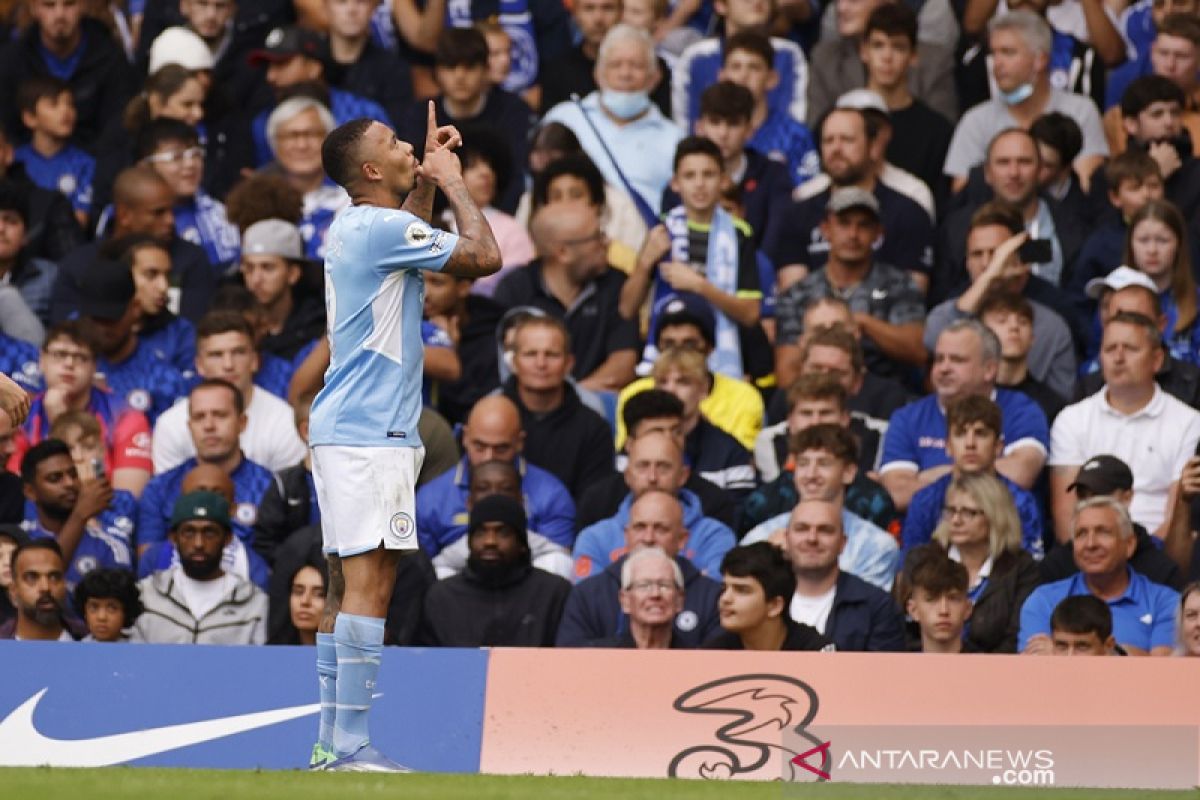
(864, 618)
(603, 497)
(479, 355)
(996, 618)
(285, 508)
(572, 442)
(593, 610)
(378, 74)
(101, 83)
(799, 637)
(51, 230)
(190, 271)
(461, 611)
(305, 323)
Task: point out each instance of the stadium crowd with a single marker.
(859, 325)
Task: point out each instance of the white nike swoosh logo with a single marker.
(22, 745)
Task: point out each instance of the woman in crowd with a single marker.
(1189, 620)
(1157, 245)
(981, 530)
(297, 592)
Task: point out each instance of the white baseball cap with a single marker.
(182, 46)
(1120, 278)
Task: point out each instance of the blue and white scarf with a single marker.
(721, 270)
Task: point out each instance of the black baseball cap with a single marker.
(106, 289)
(284, 42)
(1103, 475)
(686, 308)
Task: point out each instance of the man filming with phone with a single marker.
(999, 252)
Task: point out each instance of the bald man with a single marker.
(655, 465)
(571, 280)
(492, 433)
(142, 204)
(237, 559)
(655, 519)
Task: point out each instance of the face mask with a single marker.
(1017, 95)
(624, 105)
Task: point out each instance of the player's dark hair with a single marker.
(1083, 613)
(34, 544)
(14, 198)
(765, 563)
(727, 101)
(110, 583)
(1060, 132)
(752, 40)
(1149, 89)
(698, 145)
(221, 321)
(577, 165)
(163, 130)
(34, 456)
(938, 574)
(893, 19)
(650, 404)
(458, 47)
(239, 400)
(36, 88)
(339, 152)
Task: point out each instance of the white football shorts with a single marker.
(367, 497)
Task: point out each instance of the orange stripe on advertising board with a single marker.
(847, 716)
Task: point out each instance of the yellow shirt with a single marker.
(734, 406)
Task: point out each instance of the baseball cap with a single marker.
(182, 46)
(686, 308)
(848, 197)
(1120, 278)
(287, 41)
(273, 237)
(1103, 475)
(864, 100)
(105, 290)
(201, 505)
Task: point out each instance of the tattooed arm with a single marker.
(476, 253)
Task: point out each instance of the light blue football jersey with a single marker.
(374, 294)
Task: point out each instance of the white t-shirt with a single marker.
(813, 610)
(1155, 442)
(203, 596)
(270, 437)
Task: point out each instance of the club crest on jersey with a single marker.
(687, 620)
(139, 400)
(67, 184)
(402, 525)
(417, 234)
(246, 513)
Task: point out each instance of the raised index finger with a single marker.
(431, 123)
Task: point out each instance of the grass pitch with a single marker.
(128, 783)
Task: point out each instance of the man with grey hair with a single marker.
(1103, 540)
(594, 613)
(652, 593)
(1131, 418)
(620, 129)
(295, 130)
(1020, 44)
(965, 362)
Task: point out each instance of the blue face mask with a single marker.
(624, 105)
(1017, 95)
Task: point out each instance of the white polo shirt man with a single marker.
(1131, 418)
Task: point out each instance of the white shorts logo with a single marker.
(402, 525)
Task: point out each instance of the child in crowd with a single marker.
(48, 111)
